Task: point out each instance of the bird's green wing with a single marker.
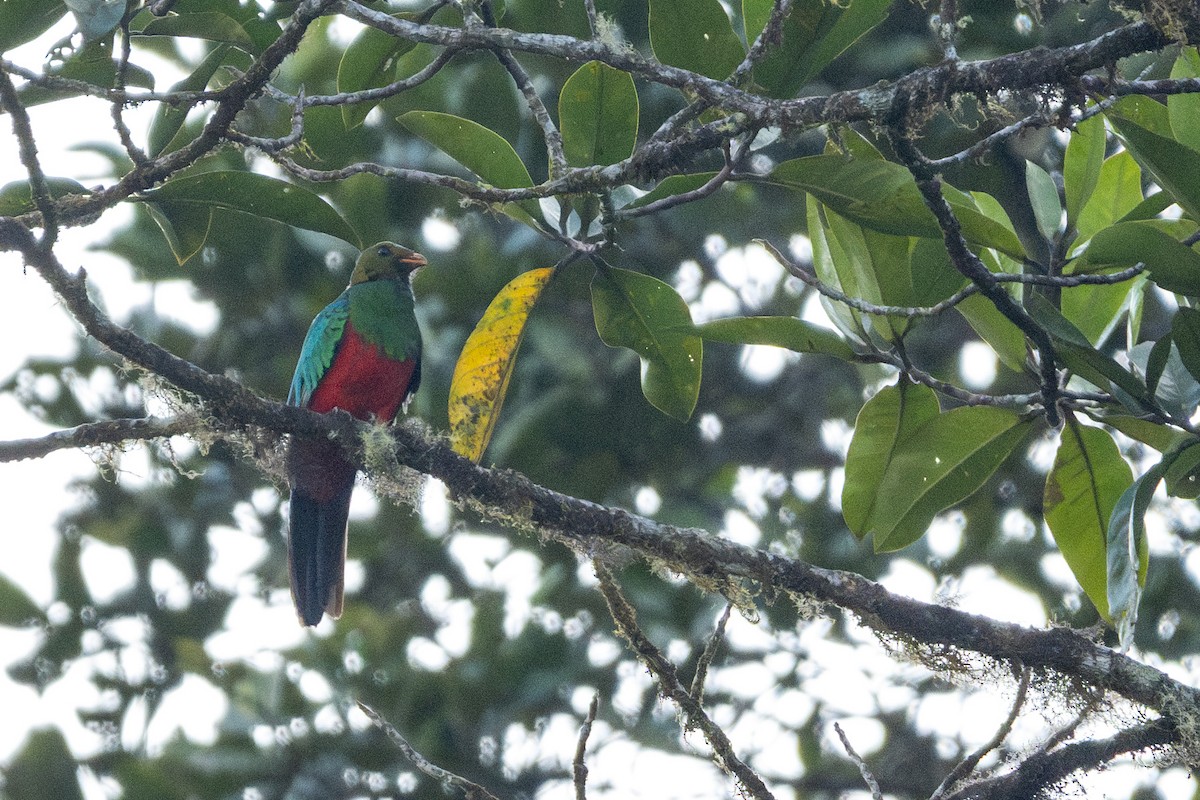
(320, 345)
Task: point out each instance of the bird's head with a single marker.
(386, 260)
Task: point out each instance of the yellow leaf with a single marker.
(486, 363)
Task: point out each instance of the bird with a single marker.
(362, 354)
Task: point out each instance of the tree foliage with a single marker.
(642, 197)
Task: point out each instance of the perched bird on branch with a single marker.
(362, 354)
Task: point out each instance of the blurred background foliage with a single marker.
(473, 640)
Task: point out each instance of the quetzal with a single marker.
(362, 354)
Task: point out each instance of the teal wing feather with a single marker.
(320, 346)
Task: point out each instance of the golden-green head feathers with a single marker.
(386, 260)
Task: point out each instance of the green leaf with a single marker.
(258, 195)
(23, 21)
(1176, 167)
(649, 317)
(598, 115)
(211, 25)
(884, 422)
(169, 119)
(1043, 197)
(787, 332)
(44, 768)
(1175, 389)
(671, 186)
(944, 462)
(1185, 331)
(815, 32)
(1161, 437)
(369, 62)
(1077, 352)
(1183, 475)
(1126, 551)
(16, 609)
(185, 226)
(479, 149)
(17, 197)
(695, 35)
(1118, 192)
(1184, 109)
(846, 319)
(1082, 163)
(1088, 477)
(1172, 265)
(990, 324)
(883, 196)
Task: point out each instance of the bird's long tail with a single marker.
(322, 482)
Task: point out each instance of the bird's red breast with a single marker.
(362, 380)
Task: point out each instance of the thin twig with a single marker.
(863, 769)
(770, 36)
(579, 765)
(708, 654)
(117, 110)
(664, 671)
(470, 789)
(965, 767)
(10, 101)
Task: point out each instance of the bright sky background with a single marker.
(36, 493)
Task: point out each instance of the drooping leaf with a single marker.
(846, 319)
(815, 32)
(1183, 475)
(258, 195)
(486, 363)
(369, 62)
(1043, 197)
(787, 332)
(185, 226)
(1175, 166)
(1127, 552)
(210, 25)
(1117, 192)
(17, 197)
(1082, 163)
(1088, 477)
(1184, 109)
(1161, 437)
(695, 35)
(1185, 331)
(942, 463)
(1005, 338)
(598, 115)
(479, 149)
(885, 421)
(23, 21)
(1175, 388)
(649, 317)
(168, 119)
(1077, 353)
(883, 196)
(1172, 265)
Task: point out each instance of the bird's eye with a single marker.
(383, 252)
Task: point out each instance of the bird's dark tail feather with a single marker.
(317, 551)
